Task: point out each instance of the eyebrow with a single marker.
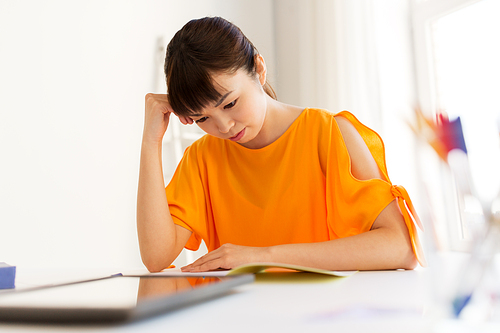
(216, 105)
(223, 98)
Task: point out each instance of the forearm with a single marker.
(377, 249)
(155, 228)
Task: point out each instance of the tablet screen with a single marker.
(113, 299)
(115, 292)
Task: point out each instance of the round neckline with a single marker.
(275, 142)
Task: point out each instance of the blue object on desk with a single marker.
(459, 304)
(7, 276)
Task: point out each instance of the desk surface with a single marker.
(378, 301)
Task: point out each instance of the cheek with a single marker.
(209, 129)
(258, 108)
(205, 128)
(202, 126)
(255, 110)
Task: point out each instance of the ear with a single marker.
(260, 68)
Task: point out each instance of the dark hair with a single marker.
(203, 47)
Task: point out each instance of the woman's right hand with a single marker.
(157, 117)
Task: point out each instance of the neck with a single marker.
(279, 117)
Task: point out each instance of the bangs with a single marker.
(191, 87)
(204, 47)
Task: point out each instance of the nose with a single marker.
(225, 124)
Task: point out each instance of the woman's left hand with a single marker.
(226, 257)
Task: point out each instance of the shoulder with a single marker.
(363, 165)
(323, 118)
(205, 150)
(348, 130)
(343, 120)
(348, 125)
(319, 114)
(205, 142)
(318, 120)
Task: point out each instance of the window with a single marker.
(457, 52)
(467, 68)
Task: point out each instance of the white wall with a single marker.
(73, 76)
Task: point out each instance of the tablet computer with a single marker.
(113, 299)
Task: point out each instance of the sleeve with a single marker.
(186, 199)
(353, 204)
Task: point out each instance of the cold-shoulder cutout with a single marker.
(363, 165)
(347, 124)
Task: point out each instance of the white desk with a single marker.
(383, 301)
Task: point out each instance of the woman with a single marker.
(270, 182)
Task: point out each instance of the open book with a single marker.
(253, 268)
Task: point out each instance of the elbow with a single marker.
(406, 258)
(154, 269)
(399, 259)
(400, 253)
(156, 258)
(409, 261)
(155, 265)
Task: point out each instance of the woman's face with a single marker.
(240, 113)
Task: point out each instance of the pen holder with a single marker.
(482, 219)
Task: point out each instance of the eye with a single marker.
(230, 105)
(201, 120)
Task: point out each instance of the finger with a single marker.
(198, 268)
(167, 109)
(201, 261)
(208, 266)
(190, 267)
(163, 97)
(161, 100)
(185, 120)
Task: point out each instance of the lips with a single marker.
(238, 136)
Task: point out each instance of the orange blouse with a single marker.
(298, 189)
